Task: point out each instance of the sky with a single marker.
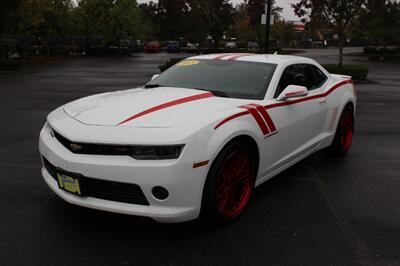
(285, 4)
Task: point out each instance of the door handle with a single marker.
(322, 100)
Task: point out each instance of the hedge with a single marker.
(391, 53)
(357, 72)
(9, 64)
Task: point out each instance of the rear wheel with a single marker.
(229, 184)
(344, 132)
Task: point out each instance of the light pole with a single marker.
(268, 7)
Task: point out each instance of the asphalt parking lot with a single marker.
(323, 211)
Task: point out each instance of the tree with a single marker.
(46, 19)
(243, 28)
(255, 9)
(113, 20)
(380, 22)
(174, 18)
(217, 16)
(150, 13)
(336, 14)
(125, 20)
(8, 10)
(92, 18)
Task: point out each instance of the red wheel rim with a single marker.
(234, 184)
(347, 131)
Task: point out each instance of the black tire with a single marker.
(344, 132)
(213, 210)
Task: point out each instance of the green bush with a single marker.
(9, 64)
(169, 63)
(357, 72)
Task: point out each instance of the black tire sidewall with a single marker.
(336, 147)
(209, 210)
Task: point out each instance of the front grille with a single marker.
(93, 149)
(107, 190)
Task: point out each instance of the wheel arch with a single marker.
(244, 138)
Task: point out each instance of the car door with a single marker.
(299, 122)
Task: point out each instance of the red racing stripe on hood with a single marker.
(167, 105)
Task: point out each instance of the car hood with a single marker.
(158, 107)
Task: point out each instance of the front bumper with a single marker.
(184, 183)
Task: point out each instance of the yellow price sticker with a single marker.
(188, 63)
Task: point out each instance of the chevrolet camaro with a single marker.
(198, 138)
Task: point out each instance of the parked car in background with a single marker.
(192, 48)
(152, 47)
(173, 47)
(131, 45)
(253, 46)
(231, 44)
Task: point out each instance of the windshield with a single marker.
(236, 79)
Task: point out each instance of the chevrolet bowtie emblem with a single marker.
(75, 147)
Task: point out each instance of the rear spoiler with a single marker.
(340, 77)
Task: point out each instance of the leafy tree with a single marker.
(8, 10)
(46, 19)
(255, 9)
(217, 16)
(337, 14)
(283, 31)
(151, 16)
(125, 20)
(92, 18)
(243, 28)
(174, 17)
(380, 22)
(111, 19)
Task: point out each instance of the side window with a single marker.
(320, 77)
(299, 74)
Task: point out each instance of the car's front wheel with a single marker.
(229, 184)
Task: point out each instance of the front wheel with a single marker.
(229, 184)
(344, 132)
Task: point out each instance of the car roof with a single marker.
(261, 58)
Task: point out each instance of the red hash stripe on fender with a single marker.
(266, 116)
(260, 121)
(168, 104)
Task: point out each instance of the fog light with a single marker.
(160, 193)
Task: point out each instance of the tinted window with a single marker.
(301, 75)
(238, 79)
(320, 77)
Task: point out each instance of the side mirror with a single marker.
(155, 76)
(292, 91)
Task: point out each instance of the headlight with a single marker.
(156, 152)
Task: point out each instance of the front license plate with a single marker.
(70, 184)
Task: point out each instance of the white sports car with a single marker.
(196, 140)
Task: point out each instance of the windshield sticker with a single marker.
(188, 63)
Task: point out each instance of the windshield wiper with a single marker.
(216, 93)
(151, 86)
